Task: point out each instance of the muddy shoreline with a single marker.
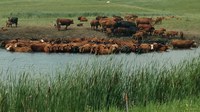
(50, 32)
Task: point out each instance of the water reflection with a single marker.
(37, 63)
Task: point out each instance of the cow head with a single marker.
(79, 18)
(9, 47)
(194, 45)
(151, 46)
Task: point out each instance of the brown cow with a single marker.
(38, 46)
(182, 44)
(143, 21)
(107, 23)
(163, 48)
(100, 17)
(65, 48)
(79, 24)
(53, 48)
(14, 48)
(181, 35)
(146, 27)
(94, 24)
(106, 49)
(94, 48)
(158, 20)
(114, 47)
(17, 43)
(130, 17)
(109, 31)
(48, 48)
(159, 32)
(145, 48)
(160, 47)
(171, 33)
(117, 18)
(140, 35)
(82, 19)
(86, 48)
(4, 29)
(7, 43)
(63, 22)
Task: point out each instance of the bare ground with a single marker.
(38, 32)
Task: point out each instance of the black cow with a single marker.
(125, 24)
(12, 20)
(125, 28)
(122, 31)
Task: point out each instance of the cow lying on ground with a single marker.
(82, 19)
(79, 24)
(4, 29)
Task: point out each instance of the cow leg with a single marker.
(66, 27)
(96, 27)
(59, 27)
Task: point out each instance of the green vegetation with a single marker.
(41, 12)
(102, 85)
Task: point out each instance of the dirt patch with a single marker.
(37, 32)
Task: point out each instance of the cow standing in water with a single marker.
(61, 22)
(12, 20)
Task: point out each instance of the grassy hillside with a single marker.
(41, 12)
(53, 7)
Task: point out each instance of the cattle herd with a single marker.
(139, 29)
(98, 46)
(129, 25)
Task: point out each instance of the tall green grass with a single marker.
(100, 86)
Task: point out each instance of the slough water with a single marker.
(44, 63)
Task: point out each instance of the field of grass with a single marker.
(41, 12)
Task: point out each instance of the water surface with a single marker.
(38, 63)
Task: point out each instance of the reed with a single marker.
(100, 86)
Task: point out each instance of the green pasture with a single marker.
(41, 12)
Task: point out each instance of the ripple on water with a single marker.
(50, 63)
